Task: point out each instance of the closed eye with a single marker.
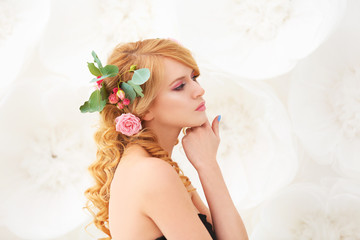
(183, 84)
(180, 87)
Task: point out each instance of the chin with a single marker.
(200, 121)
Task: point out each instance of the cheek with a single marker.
(172, 107)
(177, 105)
(172, 102)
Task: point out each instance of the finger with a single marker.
(215, 125)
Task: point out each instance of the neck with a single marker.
(167, 136)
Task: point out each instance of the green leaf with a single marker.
(94, 70)
(97, 79)
(97, 60)
(104, 94)
(95, 103)
(140, 76)
(85, 107)
(129, 91)
(137, 89)
(132, 68)
(110, 70)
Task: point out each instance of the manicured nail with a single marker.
(219, 117)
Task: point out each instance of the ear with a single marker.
(148, 116)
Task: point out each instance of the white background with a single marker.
(284, 75)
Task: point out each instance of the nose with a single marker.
(198, 90)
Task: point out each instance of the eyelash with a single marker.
(183, 84)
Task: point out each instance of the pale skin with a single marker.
(147, 197)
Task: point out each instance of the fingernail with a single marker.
(219, 117)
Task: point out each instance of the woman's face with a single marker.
(179, 97)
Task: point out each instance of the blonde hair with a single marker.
(111, 144)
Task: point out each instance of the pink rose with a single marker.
(113, 98)
(120, 105)
(126, 101)
(128, 124)
(121, 94)
(115, 90)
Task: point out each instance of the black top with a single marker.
(206, 223)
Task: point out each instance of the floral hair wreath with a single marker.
(120, 96)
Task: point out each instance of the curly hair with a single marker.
(111, 144)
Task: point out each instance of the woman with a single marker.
(139, 192)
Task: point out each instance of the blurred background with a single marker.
(283, 74)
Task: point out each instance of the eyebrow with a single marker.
(180, 78)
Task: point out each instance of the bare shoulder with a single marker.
(154, 175)
(157, 174)
(166, 201)
(151, 166)
(146, 168)
(159, 194)
(148, 172)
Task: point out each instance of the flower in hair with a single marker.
(128, 124)
(115, 90)
(126, 101)
(119, 105)
(98, 83)
(113, 98)
(123, 94)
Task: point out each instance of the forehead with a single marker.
(174, 69)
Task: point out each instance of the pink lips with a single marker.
(201, 107)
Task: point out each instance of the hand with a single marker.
(201, 143)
